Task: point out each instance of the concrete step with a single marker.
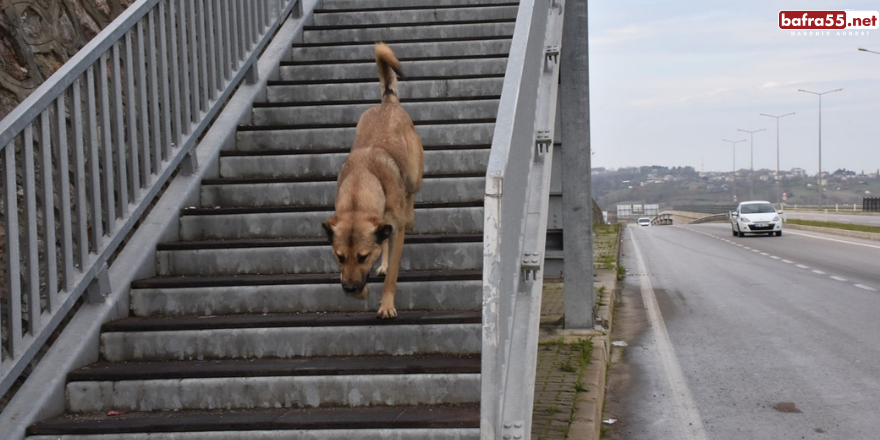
(321, 386)
(363, 51)
(273, 383)
(333, 17)
(425, 422)
(392, 34)
(273, 392)
(449, 110)
(251, 223)
(452, 294)
(269, 165)
(291, 335)
(322, 191)
(434, 133)
(401, 4)
(440, 67)
(291, 258)
(368, 92)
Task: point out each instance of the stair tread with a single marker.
(284, 279)
(415, 7)
(401, 59)
(341, 150)
(403, 41)
(354, 124)
(399, 25)
(307, 366)
(294, 242)
(187, 323)
(323, 208)
(265, 180)
(376, 417)
(324, 103)
(373, 79)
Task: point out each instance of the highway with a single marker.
(746, 337)
(871, 219)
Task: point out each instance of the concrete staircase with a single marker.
(245, 332)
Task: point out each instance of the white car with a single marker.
(755, 217)
(644, 221)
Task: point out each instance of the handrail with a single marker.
(97, 142)
(515, 220)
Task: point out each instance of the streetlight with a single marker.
(751, 147)
(777, 137)
(862, 49)
(733, 185)
(820, 135)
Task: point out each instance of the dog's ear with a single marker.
(383, 232)
(328, 228)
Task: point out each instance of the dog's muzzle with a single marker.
(357, 291)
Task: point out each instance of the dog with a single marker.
(375, 191)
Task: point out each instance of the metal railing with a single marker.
(515, 223)
(84, 156)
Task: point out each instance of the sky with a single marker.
(670, 79)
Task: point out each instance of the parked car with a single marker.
(755, 217)
(644, 221)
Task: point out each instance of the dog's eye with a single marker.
(362, 258)
(341, 258)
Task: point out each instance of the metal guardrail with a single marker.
(85, 155)
(515, 223)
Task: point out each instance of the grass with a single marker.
(835, 225)
(621, 272)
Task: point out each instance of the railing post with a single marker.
(577, 218)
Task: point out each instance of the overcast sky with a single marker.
(670, 79)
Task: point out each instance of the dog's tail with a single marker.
(389, 69)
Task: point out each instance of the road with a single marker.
(842, 217)
(746, 337)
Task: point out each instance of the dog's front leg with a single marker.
(383, 268)
(389, 288)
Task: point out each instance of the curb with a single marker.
(835, 231)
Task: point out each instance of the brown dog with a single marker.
(375, 191)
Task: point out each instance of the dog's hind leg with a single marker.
(410, 212)
(389, 288)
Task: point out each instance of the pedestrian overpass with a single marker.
(164, 272)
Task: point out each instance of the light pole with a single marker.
(820, 136)
(733, 185)
(777, 144)
(751, 147)
(862, 49)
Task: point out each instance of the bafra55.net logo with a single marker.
(831, 22)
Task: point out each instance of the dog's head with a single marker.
(357, 243)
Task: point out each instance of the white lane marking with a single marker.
(740, 245)
(747, 248)
(839, 278)
(818, 272)
(833, 239)
(868, 288)
(685, 411)
(764, 254)
(774, 257)
(755, 250)
(787, 261)
(802, 266)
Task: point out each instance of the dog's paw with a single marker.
(386, 312)
(381, 270)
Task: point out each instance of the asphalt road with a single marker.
(841, 217)
(746, 337)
